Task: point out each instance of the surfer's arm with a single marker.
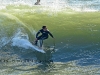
(38, 33)
(51, 35)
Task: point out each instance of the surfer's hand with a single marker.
(36, 39)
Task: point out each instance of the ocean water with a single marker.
(75, 25)
(77, 5)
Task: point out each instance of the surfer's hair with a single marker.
(43, 27)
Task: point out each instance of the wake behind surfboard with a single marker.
(25, 43)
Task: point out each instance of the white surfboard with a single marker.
(38, 49)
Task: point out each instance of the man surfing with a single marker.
(44, 35)
(38, 2)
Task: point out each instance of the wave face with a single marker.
(77, 37)
(13, 35)
(8, 27)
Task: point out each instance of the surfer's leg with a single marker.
(41, 41)
(36, 41)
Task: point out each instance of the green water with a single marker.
(81, 26)
(74, 32)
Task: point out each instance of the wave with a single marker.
(74, 50)
(10, 26)
(15, 39)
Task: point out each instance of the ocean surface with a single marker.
(75, 25)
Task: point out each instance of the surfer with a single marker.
(44, 31)
(38, 2)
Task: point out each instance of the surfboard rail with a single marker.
(38, 49)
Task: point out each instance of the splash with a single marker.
(22, 40)
(9, 26)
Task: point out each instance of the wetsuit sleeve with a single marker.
(38, 33)
(51, 35)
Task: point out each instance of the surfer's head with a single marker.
(44, 27)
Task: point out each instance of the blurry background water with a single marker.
(77, 5)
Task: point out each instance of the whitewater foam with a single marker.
(57, 5)
(22, 40)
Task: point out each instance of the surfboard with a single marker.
(38, 49)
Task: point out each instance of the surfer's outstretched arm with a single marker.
(51, 35)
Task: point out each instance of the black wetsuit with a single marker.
(44, 34)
